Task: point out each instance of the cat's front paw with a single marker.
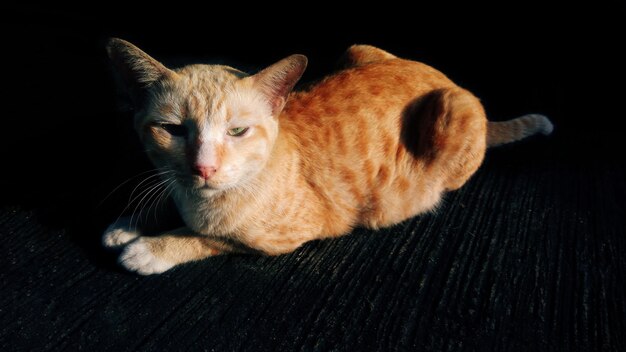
(119, 234)
(138, 257)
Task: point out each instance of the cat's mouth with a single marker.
(208, 185)
(193, 182)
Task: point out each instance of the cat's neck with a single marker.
(280, 163)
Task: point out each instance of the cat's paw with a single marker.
(138, 257)
(119, 234)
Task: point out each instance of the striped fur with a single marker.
(371, 145)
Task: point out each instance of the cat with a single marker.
(255, 167)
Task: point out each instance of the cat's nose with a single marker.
(204, 171)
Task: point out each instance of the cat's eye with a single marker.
(174, 129)
(237, 131)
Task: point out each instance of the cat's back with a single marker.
(347, 130)
(359, 98)
(366, 89)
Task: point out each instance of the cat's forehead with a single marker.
(208, 77)
(203, 91)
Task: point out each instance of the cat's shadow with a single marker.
(80, 197)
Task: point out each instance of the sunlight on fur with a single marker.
(254, 167)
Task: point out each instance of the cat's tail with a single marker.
(499, 133)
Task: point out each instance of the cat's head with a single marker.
(212, 126)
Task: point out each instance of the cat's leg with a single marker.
(128, 228)
(152, 255)
(446, 129)
(119, 233)
(359, 55)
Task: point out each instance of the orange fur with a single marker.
(371, 145)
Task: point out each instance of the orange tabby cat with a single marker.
(255, 167)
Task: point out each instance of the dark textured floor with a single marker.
(528, 256)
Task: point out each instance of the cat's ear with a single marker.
(277, 81)
(137, 69)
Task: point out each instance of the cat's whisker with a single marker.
(140, 205)
(156, 193)
(148, 178)
(171, 190)
(139, 194)
(150, 200)
(159, 198)
(165, 193)
(123, 183)
(148, 185)
(250, 189)
(171, 180)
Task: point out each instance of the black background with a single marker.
(65, 144)
(527, 256)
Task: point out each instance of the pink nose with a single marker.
(204, 171)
